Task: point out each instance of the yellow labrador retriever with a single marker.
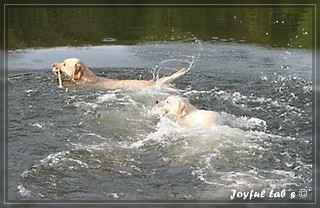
(79, 73)
(186, 114)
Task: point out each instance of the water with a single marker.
(90, 144)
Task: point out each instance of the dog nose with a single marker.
(53, 65)
(157, 102)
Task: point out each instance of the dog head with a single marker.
(174, 105)
(71, 68)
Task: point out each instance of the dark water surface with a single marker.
(105, 145)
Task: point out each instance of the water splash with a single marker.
(191, 60)
(25, 193)
(197, 57)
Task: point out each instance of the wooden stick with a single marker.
(60, 79)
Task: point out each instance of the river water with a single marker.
(77, 143)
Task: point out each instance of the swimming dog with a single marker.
(79, 73)
(186, 114)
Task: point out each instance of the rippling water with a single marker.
(91, 144)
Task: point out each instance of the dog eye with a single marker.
(168, 102)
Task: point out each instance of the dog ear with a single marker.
(182, 109)
(78, 71)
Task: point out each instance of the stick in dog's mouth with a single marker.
(60, 79)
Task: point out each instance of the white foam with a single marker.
(79, 162)
(106, 97)
(56, 159)
(243, 121)
(23, 191)
(25, 174)
(53, 159)
(287, 174)
(164, 127)
(86, 105)
(30, 90)
(39, 125)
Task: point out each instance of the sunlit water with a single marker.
(84, 143)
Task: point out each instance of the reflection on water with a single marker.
(57, 26)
